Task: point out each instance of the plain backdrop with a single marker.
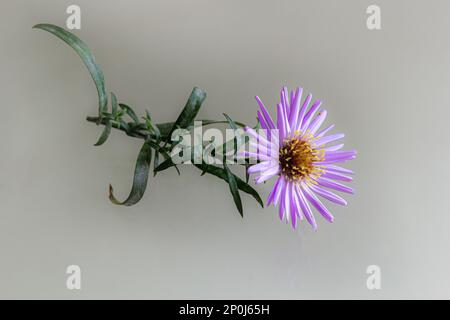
(388, 90)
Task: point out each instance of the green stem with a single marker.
(135, 133)
(116, 125)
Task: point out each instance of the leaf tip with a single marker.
(111, 196)
(199, 92)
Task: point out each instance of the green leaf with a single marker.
(234, 127)
(150, 127)
(130, 112)
(88, 58)
(231, 122)
(234, 189)
(105, 134)
(166, 164)
(247, 165)
(165, 129)
(155, 163)
(190, 110)
(220, 173)
(125, 126)
(114, 104)
(234, 144)
(140, 178)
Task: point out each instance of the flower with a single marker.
(300, 155)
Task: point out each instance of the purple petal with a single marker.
(272, 194)
(257, 136)
(317, 122)
(337, 156)
(282, 123)
(328, 139)
(286, 96)
(324, 131)
(293, 93)
(332, 161)
(280, 188)
(334, 148)
(294, 208)
(262, 121)
(305, 105)
(337, 176)
(275, 169)
(297, 203)
(295, 108)
(281, 209)
(266, 114)
(317, 203)
(287, 201)
(340, 155)
(327, 183)
(286, 123)
(266, 175)
(305, 208)
(274, 136)
(260, 166)
(328, 195)
(339, 169)
(308, 117)
(271, 152)
(285, 101)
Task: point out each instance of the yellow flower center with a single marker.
(297, 157)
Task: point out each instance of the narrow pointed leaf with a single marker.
(247, 165)
(190, 110)
(234, 127)
(166, 164)
(166, 156)
(140, 178)
(88, 58)
(204, 170)
(105, 134)
(130, 112)
(234, 144)
(165, 130)
(114, 104)
(231, 122)
(155, 163)
(220, 173)
(234, 189)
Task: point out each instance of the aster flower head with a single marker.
(300, 155)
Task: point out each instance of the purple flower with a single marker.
(294, 150)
